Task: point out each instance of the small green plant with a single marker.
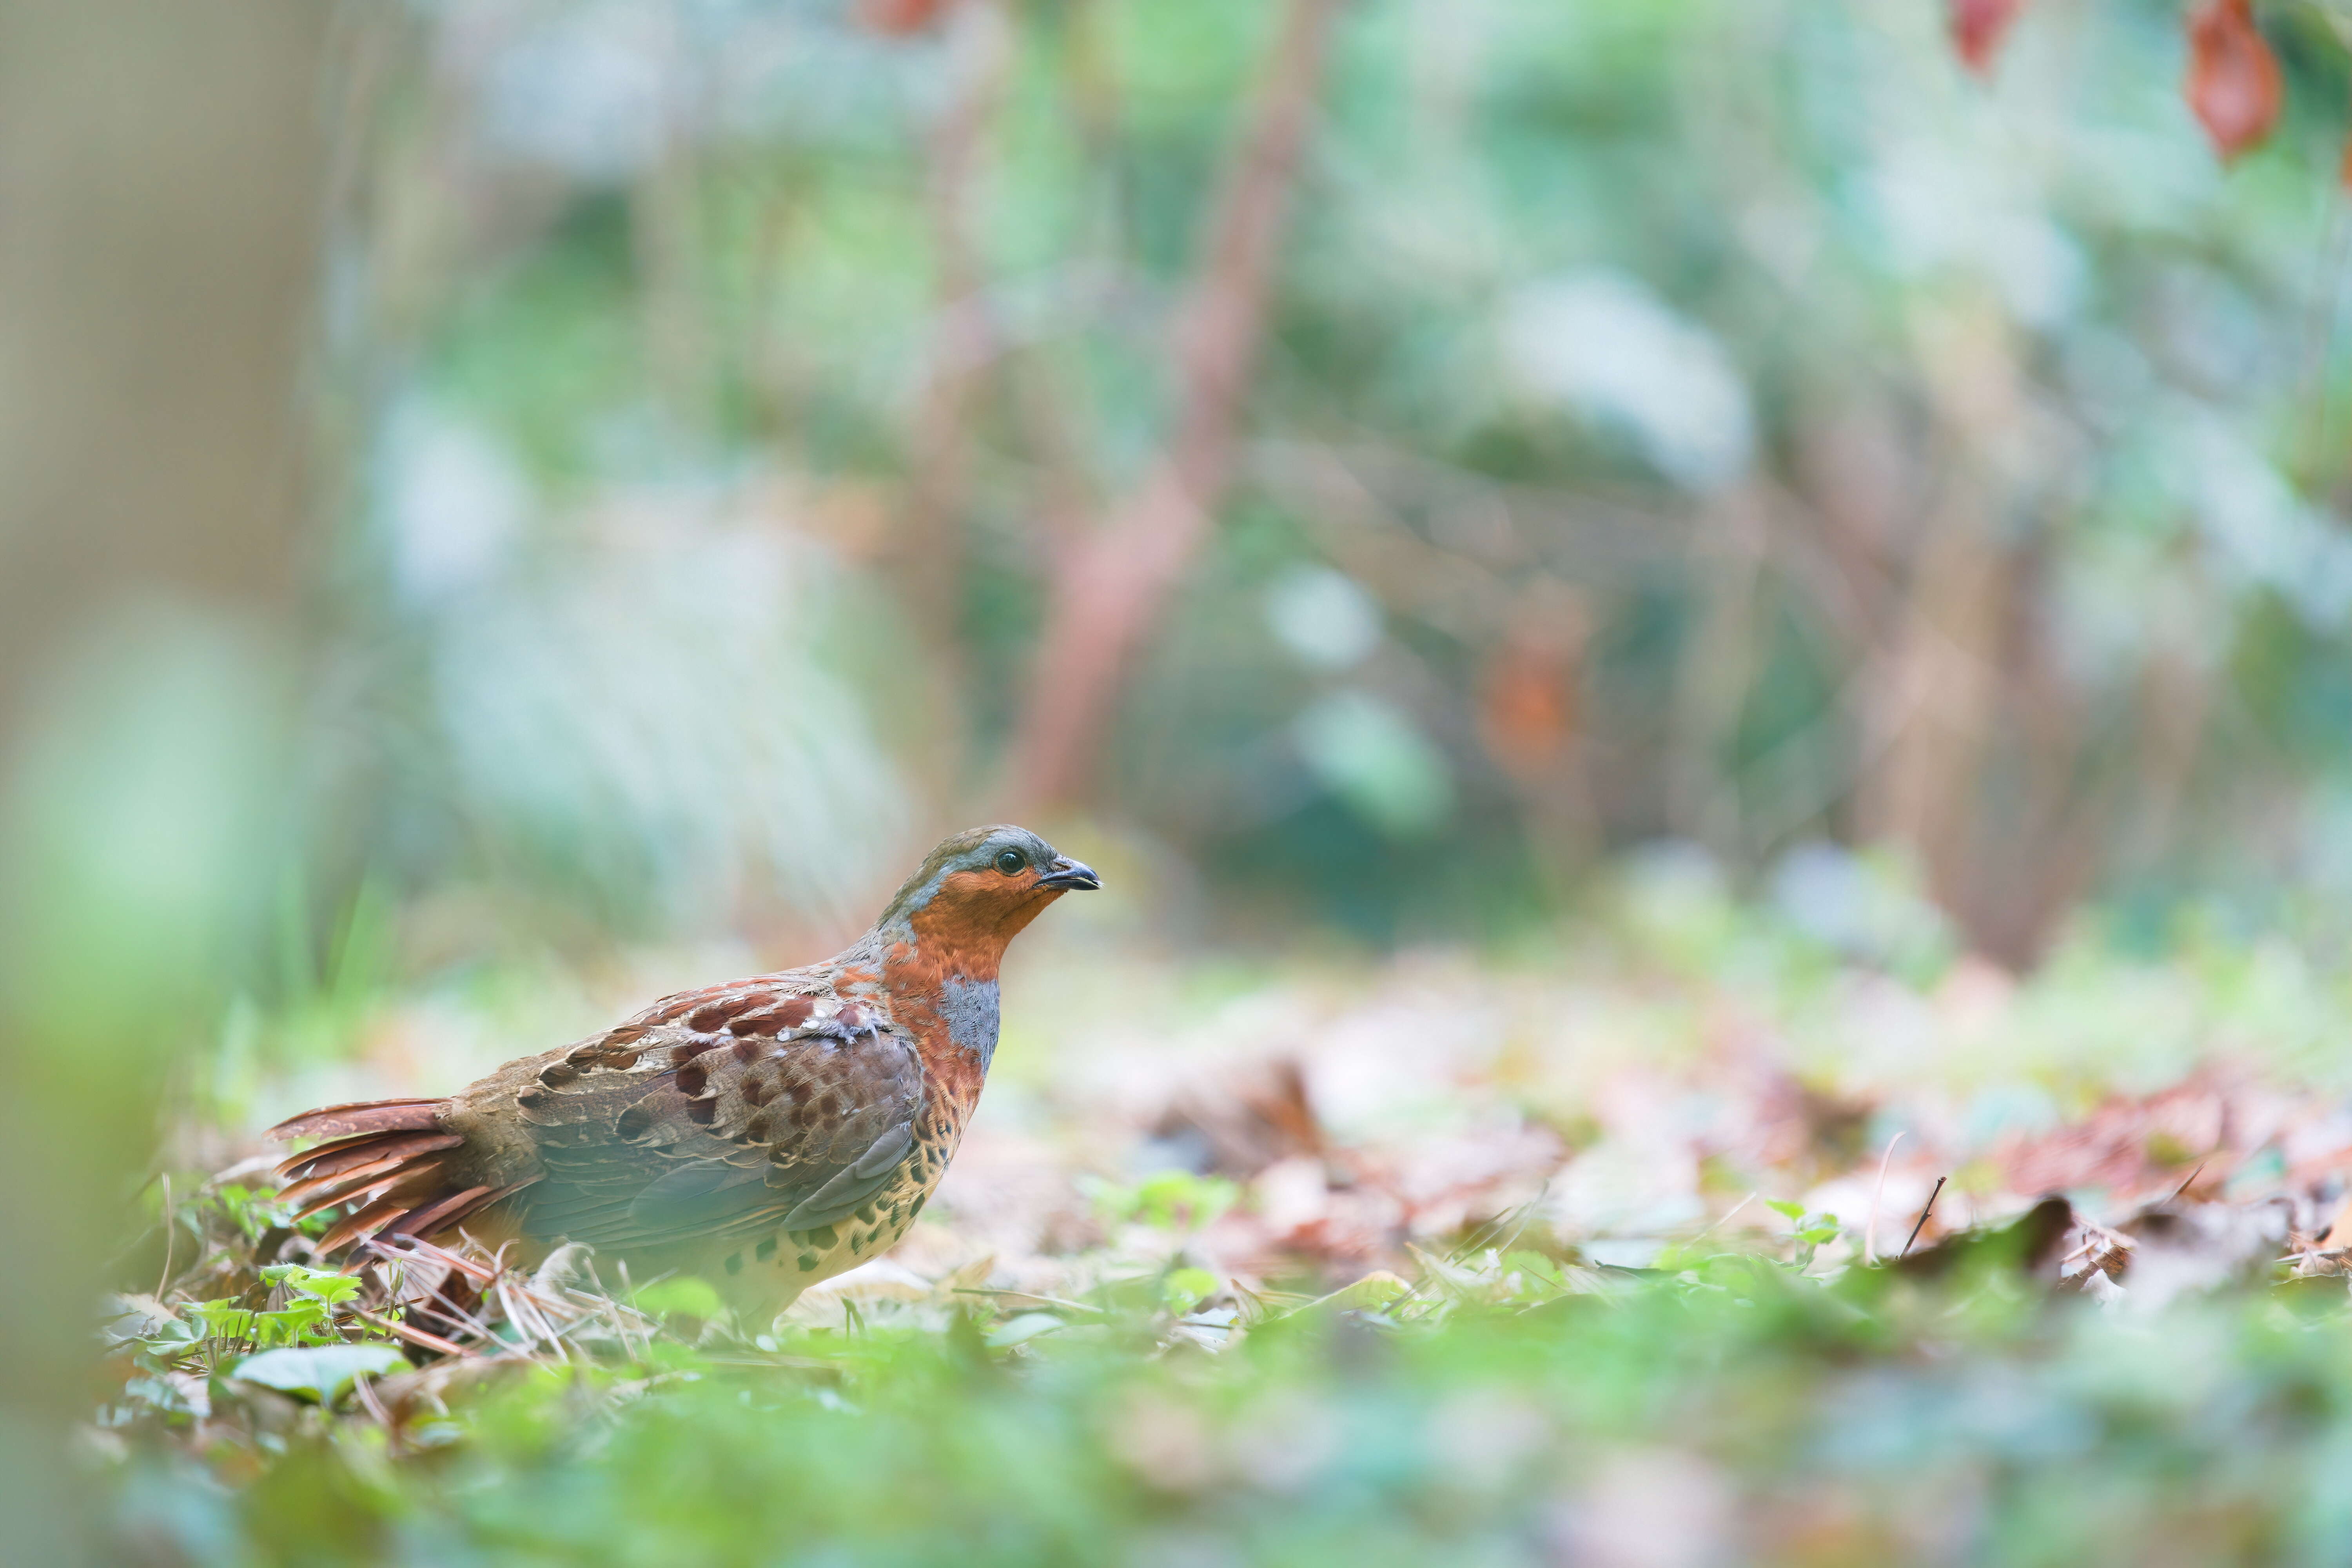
(1183, 1289)
(206, 1337)
(1171, 1200)
(1813, 1228)
(255, 1214)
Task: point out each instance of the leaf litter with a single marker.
(1881, 1180)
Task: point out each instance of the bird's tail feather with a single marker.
(387, 1159)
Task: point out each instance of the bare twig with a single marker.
(1525, 1214)
(413, 1336)
(166, 1278)
(1870, 1230)
(1922, 1222)
(438, 1303)
(1724, 1218)
(1027, 1296)
(524, 1310)
(427, 1252)
(1067, 498)
(364, 1390)
(2185, 1185)
(2334, 246)
(962, 342)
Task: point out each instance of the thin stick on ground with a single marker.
(1921, 1223)
(363, 1391)
(2185, 1185)
(1026, 1296)
(1525, 1214)
(1724, 1218)
(413, 1336)
(1870, 1229)
(164, 1279)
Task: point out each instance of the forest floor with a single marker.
(1694, 1236)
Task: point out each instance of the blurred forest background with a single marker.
(514, 505)
(1381, 459)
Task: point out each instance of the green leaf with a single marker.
(682, 1294)
(1026, 1327)
(221, 1319)
(1178, 1198)
(1185, 1288)
(159, 1393)
(149, 1323)
(173, 1335)
(325, 1284)
(320, 1371)
(287, 1324)
(1785, 1210)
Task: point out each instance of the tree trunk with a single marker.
(160, 169)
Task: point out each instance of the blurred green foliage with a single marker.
(1734, 1410)
(1740, 425)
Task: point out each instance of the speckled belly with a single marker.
(765, 1276)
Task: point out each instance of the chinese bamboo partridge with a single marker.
(766, 1134)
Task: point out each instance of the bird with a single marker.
(763, 1133)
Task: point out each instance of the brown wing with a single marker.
(764, 1101)
(760, 1108)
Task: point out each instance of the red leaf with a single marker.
(1527, 694)
(900, 18)
(1978, 28)
(2233, 78)
(1526, 707)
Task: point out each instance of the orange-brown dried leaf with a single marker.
(1978, 28)
(2233, 88)
(1526, 707)
(900, 18)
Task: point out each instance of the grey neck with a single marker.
(971, 1009)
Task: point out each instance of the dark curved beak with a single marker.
(1070, 877)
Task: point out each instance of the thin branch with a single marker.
(1722, 1220)
(962, 334)
(1110, 589)
(1922, 1221)
(169, 1226)
(2184, 1185)
(415, 1336)
(1525, 1214)
(930, 543)
(1026, 1296)
(1067, 501)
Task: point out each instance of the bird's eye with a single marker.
(1011, 862)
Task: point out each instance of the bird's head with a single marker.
(976, 892)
